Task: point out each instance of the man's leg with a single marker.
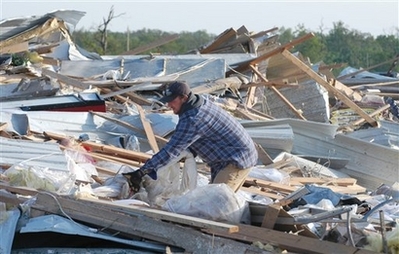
(232, 176)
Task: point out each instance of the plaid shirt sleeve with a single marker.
(185, 134)
(211, 133)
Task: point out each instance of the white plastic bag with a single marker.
(41, 178)
(216, 202)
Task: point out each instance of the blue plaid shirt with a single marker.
(211, 133)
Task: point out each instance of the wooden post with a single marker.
(276, 91)
(329, 87)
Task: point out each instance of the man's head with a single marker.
(176, 95)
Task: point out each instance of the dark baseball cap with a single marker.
(175, 89)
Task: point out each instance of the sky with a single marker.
(373, 17)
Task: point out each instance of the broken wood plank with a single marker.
(112, 150)
(368, 68)
(164, 215)
(134, 225)
(3, 126)
(160, 139)
(263, 155)
(17, 48)
(18, 189)
(257, 191)
(271, 185)
(373, 114)
(329, 87)
(271, 215)
(148, 130)
(12, 199)
(244, 66)
(129, 96)
(290, 242)
(222, 38)
(322, 181)
(64, 79)
(52, 24)
(280, 95)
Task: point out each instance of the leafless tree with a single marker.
(103, 29)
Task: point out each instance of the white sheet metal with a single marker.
(8, 224)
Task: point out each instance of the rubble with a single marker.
(326, 181)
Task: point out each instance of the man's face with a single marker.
(176, 104)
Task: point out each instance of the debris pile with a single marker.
(71, 122)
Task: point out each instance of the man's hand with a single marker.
(134, 179)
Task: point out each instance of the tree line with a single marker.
(340, 45)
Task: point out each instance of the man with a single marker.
(207, 131)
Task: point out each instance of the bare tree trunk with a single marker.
(103, 29)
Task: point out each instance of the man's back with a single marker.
(221, 138)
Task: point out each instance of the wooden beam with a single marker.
(280, 95)
(160, 139)
(64, 79)
(290, 242)
(51, 25)
(128, 98)
(17, 48)
(163, 215)
(368, 68)
(226, 35)
(271, 215)
(148, 130)
(3, 126)
(373, 114)
(270, 185)
(263, 155)
(329, 87)
(108, 149)
(257, 191)
(135, 224)
(244, 66)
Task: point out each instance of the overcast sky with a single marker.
(374, 17)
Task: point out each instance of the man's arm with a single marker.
(185, 134)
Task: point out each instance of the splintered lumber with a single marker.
(329, 87)
(163, 215)
(263, 155)
(340, 185)
(111, 150)
(129, 96)
(129, 126)
(3, 126)
(376, 112)
(148, 129)
(278, 187)
(26, 191)
(280, 95)
(289, 242)
(133, 225)
(64, 79)
(322, 181)
(116, 151)
(48, 27)
(271, 215)
(257, 191)
(12, 199)
(366, 69)
(245, 65)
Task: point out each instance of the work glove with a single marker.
(134, 179)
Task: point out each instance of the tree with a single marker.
(102, 30)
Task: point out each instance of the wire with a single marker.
(94, 230)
